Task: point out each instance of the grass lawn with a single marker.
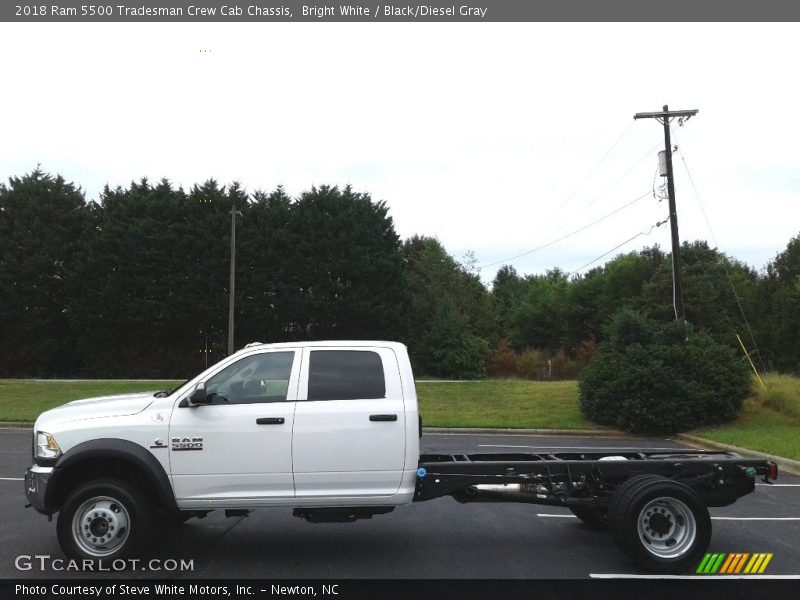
(24, 399)
(502, 403)
(782, 393)
(770, 421)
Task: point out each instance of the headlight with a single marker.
(46, 446)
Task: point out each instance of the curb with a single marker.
(15, 425)
(784, 464)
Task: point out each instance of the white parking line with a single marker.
(695, 577)
(562, 516)
(779, 484)
(12, 479)
(755, 518)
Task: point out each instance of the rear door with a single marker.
(349, 425)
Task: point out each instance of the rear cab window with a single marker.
(345, 375)
(350, 373)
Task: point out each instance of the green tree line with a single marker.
(135, 284)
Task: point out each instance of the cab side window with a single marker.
(257, 378)
(345, 375)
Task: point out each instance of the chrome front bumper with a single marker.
(36, 480)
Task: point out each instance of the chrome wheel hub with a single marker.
(100, 526)
(667, 527)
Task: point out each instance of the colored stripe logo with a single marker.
(734, 563)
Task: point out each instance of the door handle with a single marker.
(383, 417)
(270, 421)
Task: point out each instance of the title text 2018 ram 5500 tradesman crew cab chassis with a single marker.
(332, 430)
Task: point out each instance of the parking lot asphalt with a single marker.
(436, 539)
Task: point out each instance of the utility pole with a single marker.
(664, 118)
(232, 287)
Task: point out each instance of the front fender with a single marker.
(109, 449)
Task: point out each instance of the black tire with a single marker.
(622, 489)
(596, 518)
(660, 523)
(105, 510)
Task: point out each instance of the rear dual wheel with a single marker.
(660, 523)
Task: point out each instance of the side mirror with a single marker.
(199, 395)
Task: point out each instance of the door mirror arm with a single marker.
(199, 396)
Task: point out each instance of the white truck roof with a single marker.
(326, 344)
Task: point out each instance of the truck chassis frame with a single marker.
(654, 502)
(584, 478)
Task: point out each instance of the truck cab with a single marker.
(332, 426)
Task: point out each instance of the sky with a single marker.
(496, 138)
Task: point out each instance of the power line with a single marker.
(724, 266)
(623, 176)
(584, 208)
(699, 261)
(618, 246)
(659, 191)
(586, 179)
(570, 234)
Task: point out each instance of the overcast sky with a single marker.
(487, 136)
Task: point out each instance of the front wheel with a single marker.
(103, 519)
(660, 523)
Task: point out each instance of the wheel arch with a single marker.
(108, 457)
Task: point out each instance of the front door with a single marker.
(349, 428)
(239, 447)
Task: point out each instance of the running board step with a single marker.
(340, 515)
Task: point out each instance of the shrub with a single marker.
(656, 378)
(502, 361)
(530, 364)
(586, 351)
(563, 366)
(449, 349)
(463, 360)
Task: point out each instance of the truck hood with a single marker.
(102, 406)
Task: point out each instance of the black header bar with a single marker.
(198, 11)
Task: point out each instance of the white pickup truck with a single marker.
(332, 430)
